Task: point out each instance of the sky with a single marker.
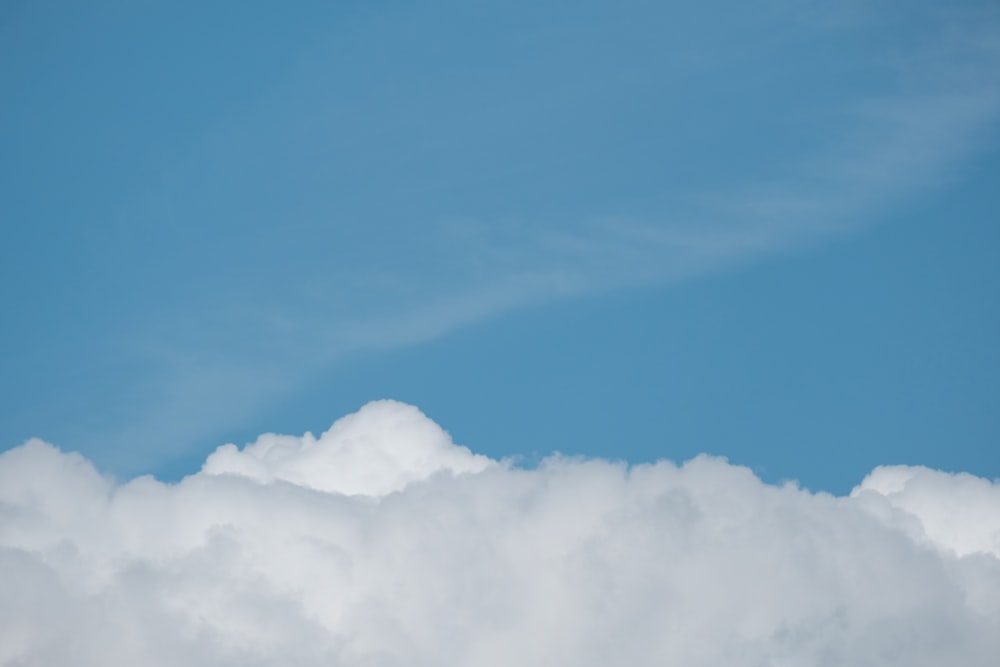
(634, 231)
(601, 333)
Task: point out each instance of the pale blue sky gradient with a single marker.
(633, 230)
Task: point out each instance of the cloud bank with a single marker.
(381, 542)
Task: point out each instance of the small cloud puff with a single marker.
(959, 512)
(383, 543)
(378, 450)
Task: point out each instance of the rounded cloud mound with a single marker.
(959, 512)
(575, 562)
(377, 450)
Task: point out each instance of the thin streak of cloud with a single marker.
(893, 148)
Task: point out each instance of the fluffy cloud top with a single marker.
(383, 543)
(379, 449)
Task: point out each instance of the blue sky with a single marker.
(630, 230)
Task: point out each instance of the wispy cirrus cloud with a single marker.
(239, 350)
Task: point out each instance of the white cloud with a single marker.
(959, 512)
(442, 557)
(380, 449)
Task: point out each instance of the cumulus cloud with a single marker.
(381, 542)
(379, 449)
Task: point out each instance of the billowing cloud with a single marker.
(380, 449)
(383, 543)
